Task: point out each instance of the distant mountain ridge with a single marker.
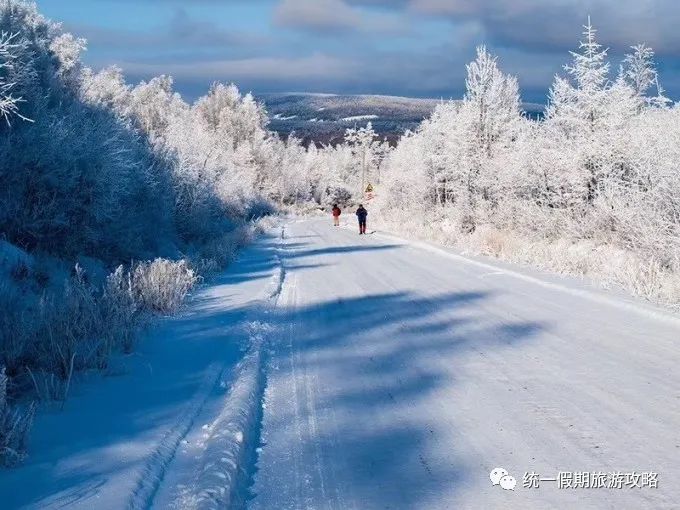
(323, 118)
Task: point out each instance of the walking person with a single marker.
(336, 215)
(362, 215)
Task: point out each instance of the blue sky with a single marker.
(403, 47)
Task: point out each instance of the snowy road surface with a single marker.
(403, 376)
(372, 373)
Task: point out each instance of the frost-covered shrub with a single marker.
(72, 329)
(261, 226)
(260, 208)
(46, 338)
(162, 285)
(337, 195)
(123, 313)
(15, 424)
(17, 329)
(218, 253)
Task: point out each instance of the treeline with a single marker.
(592, 189)
(114, 199)
(114, 171)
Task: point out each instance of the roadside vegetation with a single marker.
(116, 199)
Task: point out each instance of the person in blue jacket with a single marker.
(362, 214)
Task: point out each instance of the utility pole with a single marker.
(361, 139)
(363, 174)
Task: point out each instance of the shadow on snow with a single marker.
(378, 348)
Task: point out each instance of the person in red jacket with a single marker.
(336, 215)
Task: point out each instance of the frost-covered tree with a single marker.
(599, 168)
(369, 151)
(579, 103)
(461, 140)
(9, 105)
(73, 179)
(592, 115)
(335, 175)
(493, 101)
(447, 142)
(590, 68)
(152, 105)
(107, 89)
(639, 71)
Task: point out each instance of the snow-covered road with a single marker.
(372, 372)
(402, 375)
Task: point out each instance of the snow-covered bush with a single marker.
(46, 338)
(219, 252)
(337, 195)
(162, 285)
(123, 313)
(71, 327)
(15, 424)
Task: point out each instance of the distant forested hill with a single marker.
(323, 118)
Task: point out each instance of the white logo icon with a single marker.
(508, 483)
(497, 474)
(500, 476)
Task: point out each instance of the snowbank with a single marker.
(232, 435)
(222, 457)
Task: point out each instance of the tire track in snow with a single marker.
(312, 471)
(219, 480)
(305, 384)
(229, 459)
(160, 458)
(295, 402)
(305, 396)
(231, 437)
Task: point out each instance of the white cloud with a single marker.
(317, 14)
(339, 15)
(549, 24)
(265, 68)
